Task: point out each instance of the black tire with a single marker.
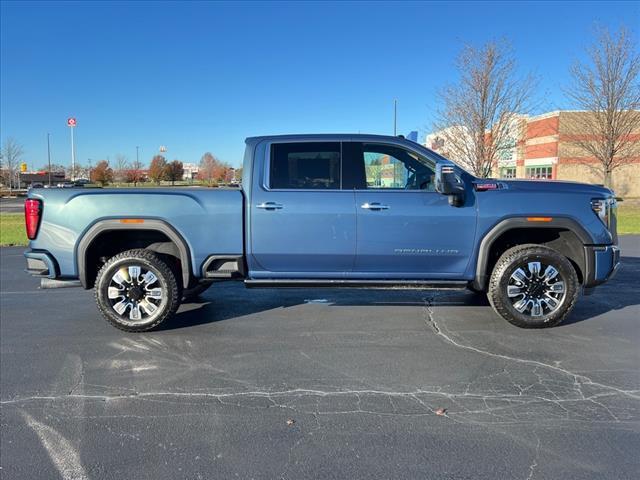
(192, 293)
(162, 300)
(542, 300)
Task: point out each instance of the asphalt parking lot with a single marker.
(319, 384)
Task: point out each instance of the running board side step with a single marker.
(374, 284)
(47, 283)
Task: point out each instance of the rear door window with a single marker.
(305, 165)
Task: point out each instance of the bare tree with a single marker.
(135, 174)
(12, 153)
(608, 89)
(210, 168)
(237, 175)
(120, 172)
(479, 117)
(77, 171)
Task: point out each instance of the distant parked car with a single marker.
(66, 185)
(37, 185)
(81, 182)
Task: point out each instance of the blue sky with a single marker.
(201, 77)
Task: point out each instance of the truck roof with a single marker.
(341, 137)
(329, 136)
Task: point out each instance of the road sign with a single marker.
(23, 167)
(71, 122)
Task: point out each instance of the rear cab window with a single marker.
(305, 166)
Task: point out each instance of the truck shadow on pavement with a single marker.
(226, 301)
(621, 291)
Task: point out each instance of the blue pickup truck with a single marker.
(356, 211)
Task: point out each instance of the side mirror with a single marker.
(449, 183)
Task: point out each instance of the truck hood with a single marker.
(544, 186)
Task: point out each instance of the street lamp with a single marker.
(395, 116)
(49, 157)
(72, 123)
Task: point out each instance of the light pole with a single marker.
(136, 167)
(49, 156)
(71, 123)
(73, 158)
(395, 116)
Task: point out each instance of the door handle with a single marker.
(374, 206)
(270, 206)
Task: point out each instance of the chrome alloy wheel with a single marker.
(536, 289)
(135, 292)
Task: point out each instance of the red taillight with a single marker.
(32, 214)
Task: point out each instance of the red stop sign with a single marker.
(71, 122)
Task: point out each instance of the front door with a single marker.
(302, 223)
(405, 229)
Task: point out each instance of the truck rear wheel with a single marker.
(136, 291)
(533, 286)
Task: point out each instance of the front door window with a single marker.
(390, 167)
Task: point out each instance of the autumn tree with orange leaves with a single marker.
(212, 170)
(102, 173)
(157, 169)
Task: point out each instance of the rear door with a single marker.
(302, 223)
(404, 227)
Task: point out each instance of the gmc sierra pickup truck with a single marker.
(329, 211)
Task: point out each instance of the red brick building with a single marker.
(545, 148)
(550, 149)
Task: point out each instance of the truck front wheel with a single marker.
(533, 286)
(136, 291)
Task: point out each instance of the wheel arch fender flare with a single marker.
(114, 224)
(511, 223)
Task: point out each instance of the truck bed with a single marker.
(209, 220)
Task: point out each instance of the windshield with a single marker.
(436, 157)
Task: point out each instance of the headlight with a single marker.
(603, 208)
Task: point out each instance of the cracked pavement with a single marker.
(361, 373)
